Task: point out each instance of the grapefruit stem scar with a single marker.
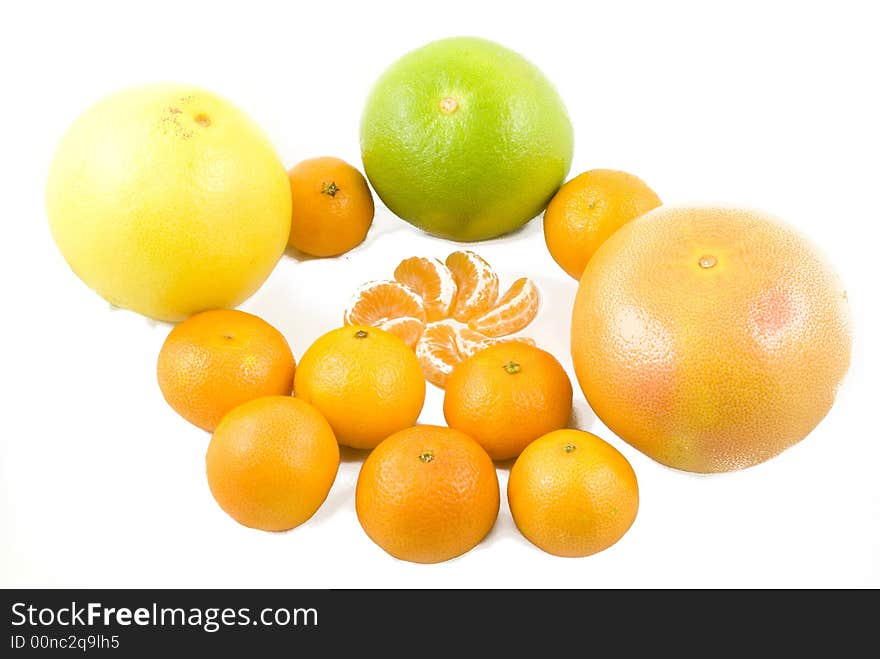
(448, 105)
(707, 261)
(361, 334)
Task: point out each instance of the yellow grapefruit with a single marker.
(167, 200)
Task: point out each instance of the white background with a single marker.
(770, 105)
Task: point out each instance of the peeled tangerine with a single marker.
(710, 339)
(446, 311)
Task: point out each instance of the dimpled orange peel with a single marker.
(711, 339)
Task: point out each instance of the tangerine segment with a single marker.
(513, 339)
(408, 329)
(432, 281)
(440, 348)
(470, 342)
(477, 285)
(388, 305)
(516, 309)
(446, 343)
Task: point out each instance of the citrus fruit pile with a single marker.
(709, 338)
(445, 311)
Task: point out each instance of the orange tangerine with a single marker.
(477, 285)
(506, 396)
(432, 281)
(427, 494)
(590, 208)
(218, 359)
(516, 309)
(390, 306)
(572, 494)
(365, 381)
(271, 462)
(332, 207)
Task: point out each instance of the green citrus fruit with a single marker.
(465, 139)
(167, 200)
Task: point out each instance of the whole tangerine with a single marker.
(427, 494)
(506, 396)
(572, 494)
(332, 207)
(218, 359)
(271, 462)
(365, 381)
(588, 209)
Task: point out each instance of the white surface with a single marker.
(768, 105)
